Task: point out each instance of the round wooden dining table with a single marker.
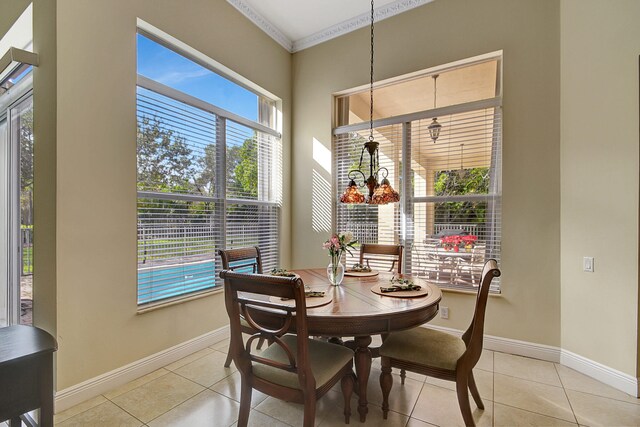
(356, 311)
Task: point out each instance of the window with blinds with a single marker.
(449, 215)
(208, 179)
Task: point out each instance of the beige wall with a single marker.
(10, 10)
(599, 163)
(97, 326)
(434, 34)
(44, 163)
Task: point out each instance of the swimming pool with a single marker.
(157, 283)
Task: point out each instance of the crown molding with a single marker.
(344, 27)
(266, 26)
(357, 22)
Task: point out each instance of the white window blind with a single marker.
(207, 180)
(450, 193)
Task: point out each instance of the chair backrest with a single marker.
(247, 295)
(242, 259)
(386, 253)
(473, 336)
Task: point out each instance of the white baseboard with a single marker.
(616, 379)
(523, 348)
(108, 381)
(511, 346)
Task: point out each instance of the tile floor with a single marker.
(517, 391)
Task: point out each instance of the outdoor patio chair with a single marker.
(472, 266)
(441, 355)
(293, 368)
(244, 260)
(434, 262)
(382, 254)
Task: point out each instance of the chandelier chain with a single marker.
(371, 81)
(380, 191)
(435, 90)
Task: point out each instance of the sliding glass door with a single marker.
(16, 212)
(4, 222)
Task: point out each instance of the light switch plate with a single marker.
(444, 312)
(587, 264)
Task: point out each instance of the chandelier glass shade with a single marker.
(352, 194)
(380, 191)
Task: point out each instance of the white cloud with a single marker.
(174, 77)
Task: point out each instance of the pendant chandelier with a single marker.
(434, 127)
(380, 193)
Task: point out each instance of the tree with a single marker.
(26, 166)
(26, 150)
(164, 160)
(206, 180)
(246, 171)
(165, 164)
(452, 183)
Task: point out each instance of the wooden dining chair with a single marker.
(382, 253)
(244, 260)
(293, 368)
(441, 355)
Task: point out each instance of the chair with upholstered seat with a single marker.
(293, 368)
(382, 253)
(441, 355)
(246, 260)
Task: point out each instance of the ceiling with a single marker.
(299, 24)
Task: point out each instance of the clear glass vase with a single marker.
(335, 272)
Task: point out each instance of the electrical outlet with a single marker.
(587, 264)
(444, 312)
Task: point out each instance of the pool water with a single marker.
(157, 283)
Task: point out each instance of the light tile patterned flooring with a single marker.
(517, 391)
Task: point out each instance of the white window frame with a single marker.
(407, 200)
(269, 115)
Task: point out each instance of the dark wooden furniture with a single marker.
(441, 355)
(357, 312)
(245, 260)
(242, 259)
(26, 373)
(382, 253)
(293, 368)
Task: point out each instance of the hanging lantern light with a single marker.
(434, 127)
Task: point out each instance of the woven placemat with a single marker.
(361, 273)
(310, 302)
(400, 294)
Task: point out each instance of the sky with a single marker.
(171, 69)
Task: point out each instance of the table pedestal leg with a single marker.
(363, 368)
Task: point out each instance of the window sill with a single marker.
(469, 292)
(178, 300)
